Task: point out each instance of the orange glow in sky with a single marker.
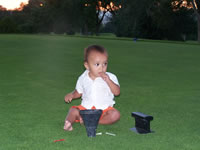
(12, 4)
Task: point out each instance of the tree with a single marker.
(133, 17)
(174, 22)
(7, 25)
(95, 11)
(35, 17)
(156, 19)
(62, 16)
(191, 5)
(53, 16)
(196, 7)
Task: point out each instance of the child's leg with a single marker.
(73, 115)
(109, 117)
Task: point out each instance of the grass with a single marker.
(159, 79)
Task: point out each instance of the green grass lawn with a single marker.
(159, 79)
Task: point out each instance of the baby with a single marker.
(96, 87)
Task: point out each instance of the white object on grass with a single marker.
(99, 133)
(110, 134)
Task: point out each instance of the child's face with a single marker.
(97, 63)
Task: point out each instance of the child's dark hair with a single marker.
(96, 48)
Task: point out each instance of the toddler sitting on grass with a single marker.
(96, 87)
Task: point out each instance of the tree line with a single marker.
(151, 19)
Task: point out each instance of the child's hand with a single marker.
(73, 95)
(68, 98)
(115, 89)
(104, 76)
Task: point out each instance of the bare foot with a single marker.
(68, 126)
(81, 121)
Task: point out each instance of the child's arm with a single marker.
(115, 89)
(73, 95)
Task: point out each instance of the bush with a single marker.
(7, 25)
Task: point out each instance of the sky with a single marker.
(11, 4)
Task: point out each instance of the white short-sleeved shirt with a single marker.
(95, 92)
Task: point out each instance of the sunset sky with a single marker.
(11, 4)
